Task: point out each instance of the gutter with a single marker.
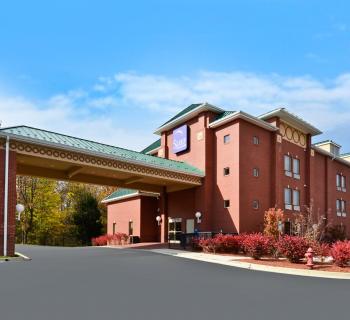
(244, 116)
(6, 196)
(94, 153)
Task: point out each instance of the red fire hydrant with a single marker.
(309, 255)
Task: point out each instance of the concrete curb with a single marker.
(232, 262)
(21, 255)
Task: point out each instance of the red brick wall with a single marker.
(11, 203)
(254, 188)
(122, 212)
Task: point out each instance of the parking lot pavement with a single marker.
(98, 283)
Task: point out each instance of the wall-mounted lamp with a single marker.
(159, 220)
(198, 215)
(19, 209)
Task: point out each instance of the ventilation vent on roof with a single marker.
(330, 146)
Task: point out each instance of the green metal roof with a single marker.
(81, 145)
(154, 145)
(223, 115)
(120, 193)
(184, 111)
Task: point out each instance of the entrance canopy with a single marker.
(48, 154)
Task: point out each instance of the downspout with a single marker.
(6, 192)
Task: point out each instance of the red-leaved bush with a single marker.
(100, 241)
(257, 245)
(340, 253)
(321, 250)
(292, 247)
(228, 243)
(111, 239)
(209, 245)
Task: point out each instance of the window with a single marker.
(256, 172)
(226, 171)
(296, 200)
(339, 182)
(114, 226)
(227, 138)
(288, 166)
(296, 168)
(256, 140)
(341, 208)
(343, 183)
(288, 199)
(338, 207)
(256, 204)
(226, 203)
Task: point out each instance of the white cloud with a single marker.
(97, 113)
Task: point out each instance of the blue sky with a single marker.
(113, 71)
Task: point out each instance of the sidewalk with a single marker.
(232, 261)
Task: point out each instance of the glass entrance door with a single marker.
(175, 230)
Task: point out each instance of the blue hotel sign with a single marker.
(180, 139)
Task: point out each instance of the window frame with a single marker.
(256, 172)
(343, 183)
(296, 205)
(338, 181)
(256, 140)
(288, 205)
(226, 203)
(226, 171)
(287, 171)
(227, 138)
(296, 174)
(256, 204)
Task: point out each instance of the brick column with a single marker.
(11, 220)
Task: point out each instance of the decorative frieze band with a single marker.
(80, 158)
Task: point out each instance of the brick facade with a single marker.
(207, 151)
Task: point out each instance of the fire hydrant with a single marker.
(309, 255)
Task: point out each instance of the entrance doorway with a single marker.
(175, 230)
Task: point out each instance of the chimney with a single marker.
(330, 146)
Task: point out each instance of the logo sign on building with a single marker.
(180, 139)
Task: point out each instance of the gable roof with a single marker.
(125, 194)
(292, 119)
(153, 146)
(62, 141)
(186, 114)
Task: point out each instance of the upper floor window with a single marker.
(341, 208)
(296, 168)
(227, 138)
(256, 140)
(288, 199)
(256, 172)
(226, 171)
(226, 203)
(338, 182)
(341, 182)
(288, 166)
(296, 200)
(256, 204)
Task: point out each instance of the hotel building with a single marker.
(248, 164)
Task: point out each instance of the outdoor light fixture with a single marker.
(198, 216)
(159, 219)
(19, 209)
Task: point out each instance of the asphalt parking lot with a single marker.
(102, 283)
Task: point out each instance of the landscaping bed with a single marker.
(284, 263)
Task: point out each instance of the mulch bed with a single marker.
(286, 264)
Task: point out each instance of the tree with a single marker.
(272, 219)
(86, 216)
